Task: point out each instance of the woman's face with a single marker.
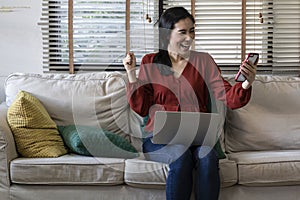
(181, 37)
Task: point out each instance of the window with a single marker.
(286, 36)
(272, 29)
(99, 33)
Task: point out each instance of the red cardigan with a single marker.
(189, 92)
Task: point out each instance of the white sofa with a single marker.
(261, 140)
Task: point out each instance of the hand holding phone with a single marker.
(253, 59)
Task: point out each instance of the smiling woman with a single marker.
(179, 79)
(181, 39)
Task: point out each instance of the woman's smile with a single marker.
(181, 37)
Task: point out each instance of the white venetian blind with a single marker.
(286, 36)
(258, 33)
(218, 30)
(272, 30)
(99, 33)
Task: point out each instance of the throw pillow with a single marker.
(34, 131)
(219, 150)
(93, 141)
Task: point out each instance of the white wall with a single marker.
(20, 38)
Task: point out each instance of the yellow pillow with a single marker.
(34, 131)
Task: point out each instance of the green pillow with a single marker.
(219, 150)
(92, 141)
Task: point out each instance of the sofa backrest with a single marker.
(92, 99)
(270, 121)
(2, 93)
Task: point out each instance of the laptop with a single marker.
(187, 128)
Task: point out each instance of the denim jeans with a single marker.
(182, 161)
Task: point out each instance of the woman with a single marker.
(178, 79)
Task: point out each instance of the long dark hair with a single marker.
(166, 24)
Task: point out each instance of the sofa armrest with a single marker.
(8, 150)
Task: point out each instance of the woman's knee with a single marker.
(205, 154)
(166, 153)
(182, 158)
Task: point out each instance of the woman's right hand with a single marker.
(129, 62)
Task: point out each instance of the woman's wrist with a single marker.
(131, 75)
(246, 85)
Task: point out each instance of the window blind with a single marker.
(272, 30)
(286, 36)
(259, 34)
(99, 33)
(219, 30)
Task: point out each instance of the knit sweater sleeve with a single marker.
(234, 96)
(140, 93)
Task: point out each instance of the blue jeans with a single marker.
(182, 161)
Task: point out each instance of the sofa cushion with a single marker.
(70, 169)
(228, 172)
(91, 99)
(256, 168)
(149, 174)
(93, 141)
(34, 131)
(145, 174)
(270, 121)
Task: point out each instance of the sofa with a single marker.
(261, 142)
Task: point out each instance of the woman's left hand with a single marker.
(249, 71)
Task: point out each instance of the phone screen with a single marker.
(252, 58)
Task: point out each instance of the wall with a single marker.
(20, 38)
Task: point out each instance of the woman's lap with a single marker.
(182, 161)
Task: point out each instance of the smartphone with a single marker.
(252, 58)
